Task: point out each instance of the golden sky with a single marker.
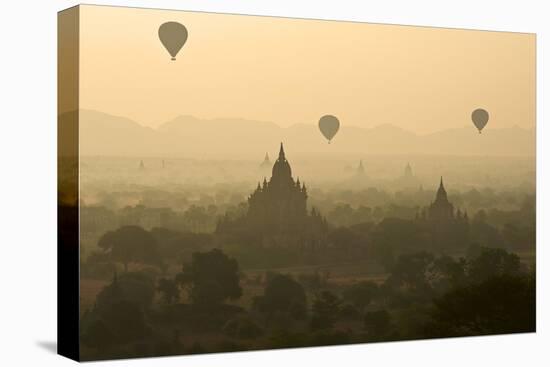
(294, 71)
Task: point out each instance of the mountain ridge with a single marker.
(187, 135)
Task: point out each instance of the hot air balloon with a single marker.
(173, 36)
(480, 118)
(329, 126)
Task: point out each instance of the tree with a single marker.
(98, 335)
(312, 281)
(344, 239)
(377, 323)
(360, 294)
(282, 294)
(126, 320)
(341, 215)
(410, 271)
(324, 310)
(498, 305)
(135, 287)
(130, 244)
(400, 234)
(212, 278)
(483, 232)
(242, 327)
(119, 312)
(447, 272)
(169, 290)
(196, 217)
(492, 262)
(176, 245)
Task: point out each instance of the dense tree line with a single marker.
(424, 296)
(379, 241)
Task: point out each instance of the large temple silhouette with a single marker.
(446, 225)
(277, 211)
(441, 210)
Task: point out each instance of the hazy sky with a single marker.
(294, 71)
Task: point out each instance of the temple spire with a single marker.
(360, 168)
(441, 193)
(408, 171)
(281, 172)
(266, 162)
(282, 152)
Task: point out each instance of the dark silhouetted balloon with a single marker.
(173, 36)
(329, 126)
(480, 118)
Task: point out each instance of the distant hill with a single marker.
(187, 136)
(103, 134)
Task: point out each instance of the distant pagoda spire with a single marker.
(408, 171)
(360, 168)
(441, 192)
(266, 162)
